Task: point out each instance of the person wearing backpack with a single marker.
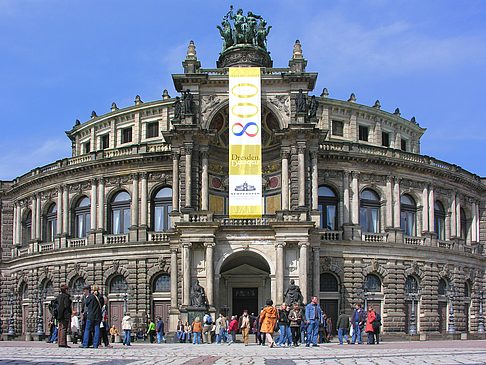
(376, 328)
(207, 327)
(62, 313)
(94, 303)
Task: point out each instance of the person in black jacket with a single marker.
(94, 303)
(63, 315)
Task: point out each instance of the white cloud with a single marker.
(20, 159)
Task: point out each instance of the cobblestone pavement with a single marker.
(396, 353)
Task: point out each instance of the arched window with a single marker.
(411, 285)
(408, 215)
(467, 290)
(369, 211)
(464, 227)
(328, 203)
(24, 291)
(120, 213)
(442, 287)
(372, 284)
(78, 285)
(162, 206)
(50, 223)
(27, 228)
(118, 285)
(328, 283)
(161, 284)
(82, 217)
(439, 220)
(48, 289)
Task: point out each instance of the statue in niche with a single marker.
(177, 109)
(198, 295)
(293, 294)
(313, 105)
(300, 102)
(187, 101)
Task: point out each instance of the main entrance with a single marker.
(244, 283)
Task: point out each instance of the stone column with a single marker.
(303, 270)
(204, 180)
(143, 200)
(186, 257)
(478, 219)
(174, 274)
(15, 223)
(458, 217)
(389, 202)
(188, 150)
(279, 274)
(65, 210)
(431, 209)
(135, 203)
(454, 233)
(301, 159)
(210, 272)
(59, 211)
(101, 204)
(94, 193)
(38, 219)
(19, 224)
(396, 205)
(425, 209)
(175, 181)
(355, 198)
(315, 181)
(285, 179)
(474, 222)
(316, 270)
(346, 203)
(34, 217)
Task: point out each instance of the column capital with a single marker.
(175, 155)
(143, 175)
(304, 244)
(209, 244)
(300, 147)
(354, 174)
(174, 250)
(94, 181)
(388, 179)
(346, 173)
(134, 176)
(280, 244)
(186, 244)
(316, 249)
(204, 148)
(101, 181)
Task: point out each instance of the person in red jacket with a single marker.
(232, 328)
(369, 325)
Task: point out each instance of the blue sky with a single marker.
(61, 59)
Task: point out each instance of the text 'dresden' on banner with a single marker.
(245, 143)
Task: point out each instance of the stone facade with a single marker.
(321, 226)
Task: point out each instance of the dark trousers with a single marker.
(377, 337)
(104, 335)
(62, 334)
(295, 335)
(371, 338)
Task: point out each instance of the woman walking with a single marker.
(268, 319)
(369, 325)
(127, 329)
(196, 331)
(295, 317)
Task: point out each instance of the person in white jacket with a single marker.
(127, 329)
(75, 327)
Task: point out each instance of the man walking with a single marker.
(63, 315)
(313, 315)
(94, 302)
(159, 328)
(343, 327)
(358, 321)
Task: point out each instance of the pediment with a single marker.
(244, 270)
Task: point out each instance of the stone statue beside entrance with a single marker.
(198, 296)
(293, 294)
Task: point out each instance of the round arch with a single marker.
(229, 255)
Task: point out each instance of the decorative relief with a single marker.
(209, 103)
(117, 181)
(79, 187)
(159, 177)
(444, 271)
(371, 178)
(281, 102)
(330, 264)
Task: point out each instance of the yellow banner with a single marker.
(245, 143)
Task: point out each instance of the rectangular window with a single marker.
(363, 133)
(403, 145)
(126, 135)
(105, 141)
(337, 128)
(385, 139)
(152, 130)
(87, 147)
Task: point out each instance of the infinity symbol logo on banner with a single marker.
(243, 129)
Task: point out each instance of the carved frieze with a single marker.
(209, 103)
(281, 102)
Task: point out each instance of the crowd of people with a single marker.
(285, 326)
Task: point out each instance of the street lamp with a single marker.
(125, 303)
(450, 296)
(11, 324)
(41, 296)
(481, 318)
(365, 295)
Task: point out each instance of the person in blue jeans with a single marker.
(357, 321)
(160, 329)
(283, 324)
(94, 303)
(342, 325)
(313, 315)
(127, 329)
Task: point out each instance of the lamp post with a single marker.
(450, 296)
(125, 303)
(365, 295)
(41, 295)
(413, 296)
(11, 324)
(481, 318)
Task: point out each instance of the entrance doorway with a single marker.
(442, 312)
(244, 283)
(331, 308)
(245, 298)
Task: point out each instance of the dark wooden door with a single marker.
(442, 313)
(161, 309)
(245, 298)
(115, 314)
(25, 318)
(330, 307)
(47, 318)
(466, 317)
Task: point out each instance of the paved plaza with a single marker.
(432, 352)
